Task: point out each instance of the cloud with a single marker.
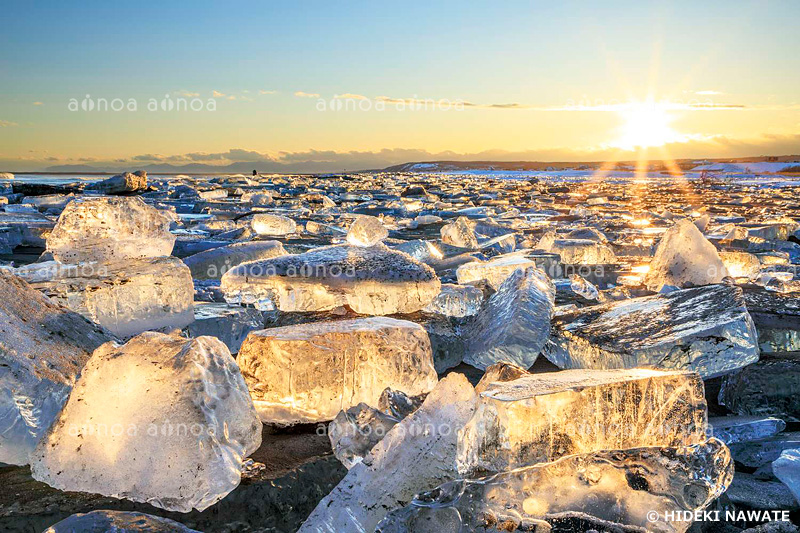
(38, 103)
(263, 91)
(187, 94)
(350, 96)
(7, 123)
(217, 94)
(302, 94)
(709, 93)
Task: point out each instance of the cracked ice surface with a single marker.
(126, 297)
(310, 372)
(371, 280)
(541, 417)
(106, 229)
(417, 455)
(514, 325)
(43, 347)
(619, 486)
(706, 329)
(684, 257)
(162, 420)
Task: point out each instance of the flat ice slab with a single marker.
(373, 280)
(705, 329)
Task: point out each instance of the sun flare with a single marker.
(645, 125)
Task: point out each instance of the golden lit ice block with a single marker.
(310, 372)
(541, 417)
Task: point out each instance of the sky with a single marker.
(327, 86)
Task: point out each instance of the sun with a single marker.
(645, 124)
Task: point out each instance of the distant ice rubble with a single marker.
(162, 420)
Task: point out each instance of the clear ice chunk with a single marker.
(108, 229)
(541, 417)
(684, 257)
(766, 388)
(366, 231)
(787, 469)
(417, 455)
(494, 271)
(117, 522)
(229, 324)
(273, 225)
(582, 252)
(514, 325)
(733, 429)
(355, 431)
(371, 280)
(644, 487)
(43, 347)
(456, 300)
(460, 233)
(126, 297)
(162, 420)
(309, 372)
(758, 453)
(124, 183)
(212, 264)
(705, 329)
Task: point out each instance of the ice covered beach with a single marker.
(399, 352)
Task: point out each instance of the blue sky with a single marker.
(535, 54)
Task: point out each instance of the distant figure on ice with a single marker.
(255, 173)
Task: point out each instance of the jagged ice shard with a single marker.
(628, 487)
(43, 347)
(162, 420)
(417, 455)
(514, 325)
(310, 372)
(705, 329)
(541, 417)
(684, 257)
(126, 297)
(106, 229)
(372, 280)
